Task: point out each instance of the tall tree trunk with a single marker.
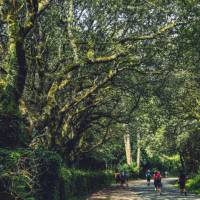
(138, 150)
(128, 149)
(11, 123)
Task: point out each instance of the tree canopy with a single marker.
(72, 73)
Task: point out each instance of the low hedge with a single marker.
(76, 183)
(40, 175)
(14, 180)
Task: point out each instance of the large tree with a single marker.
(76, 68)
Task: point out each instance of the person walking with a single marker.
(148, 176)
(157, 182)
(117, 177)
(123, 179)
(166, 174)
(182, 181)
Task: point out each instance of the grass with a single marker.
(193, 184)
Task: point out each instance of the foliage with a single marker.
(76, 183)
(193, 184)
(14, 177)
(40, 175)
(80, 67)
(47, 174)
(132, 169)
(163, 163)
(24, 173)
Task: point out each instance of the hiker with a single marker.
(117, 177)
(166, 174)
(127, 177)
(181, 181)
(123, 179)
(157, 181)
(148, 176)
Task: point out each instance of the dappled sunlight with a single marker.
(138, 190)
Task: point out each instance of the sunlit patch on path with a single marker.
(115, 193)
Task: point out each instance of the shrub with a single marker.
(30, 174)
(38, 175)
(131, 169)
(47, 175)
(193, 184)
(14, 177)
(76, 183)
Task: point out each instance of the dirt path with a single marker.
(138, 190)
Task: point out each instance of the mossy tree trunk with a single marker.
(16, 78)
(16, 65)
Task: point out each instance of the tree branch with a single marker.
(92, 90)
(70, 33)
(160, 31)
(42, 6)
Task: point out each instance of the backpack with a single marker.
(122, 176)
(148, 174)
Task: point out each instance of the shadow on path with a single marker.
(168, 191)
(138, 190)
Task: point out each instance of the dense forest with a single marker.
(78, 75)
